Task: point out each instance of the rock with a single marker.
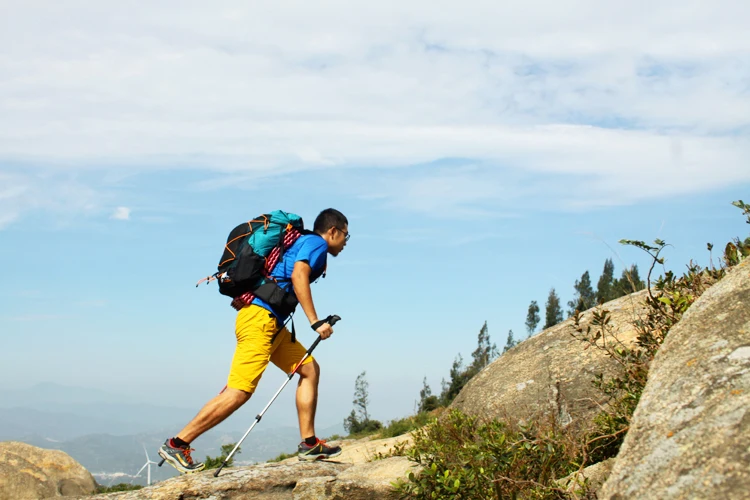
(551, 373)
(357, 451)
(690, 434)
(365, 450)
(28, 472)
(586, 483)
(370, 480)
(367, 478)
(352, 476)
(274, 481)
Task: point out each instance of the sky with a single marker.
(484, 153)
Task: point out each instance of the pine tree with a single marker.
(584, 297)
(427, 402)
(358, 420)
(553, 313)
(484, 353)
(481, 357)
(426, 392)
(629, 282)
(635, 278)
(352, 425)
(532, 317)
(459, 377)
(361, 397)
(605, 286)
(510, 343)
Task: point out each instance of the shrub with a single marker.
(215, 462)
(408, 424)
(465, 457)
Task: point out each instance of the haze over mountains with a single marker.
(106, 432)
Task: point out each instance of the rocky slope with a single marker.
(351, 477)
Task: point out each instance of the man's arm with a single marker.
(301, 284)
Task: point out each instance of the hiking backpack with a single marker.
(252, 250)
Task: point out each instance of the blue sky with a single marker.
(480, 163)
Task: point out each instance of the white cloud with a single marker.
(121, 213)
(540, 87)
(7, 218)
(23, 191)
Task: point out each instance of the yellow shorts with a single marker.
(256, 346)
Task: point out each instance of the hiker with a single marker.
(262, 337)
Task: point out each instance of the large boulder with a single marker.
(28, 472)
(551, 373)
(690, 434)
(274, 481)
(354, 476)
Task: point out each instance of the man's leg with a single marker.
(213, 413)
(254, 330)
(307, 398)
(311, 448)
(177, 450)
(287, 355)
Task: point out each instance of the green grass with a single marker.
(117, 487)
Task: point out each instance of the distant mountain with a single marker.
(63, 413)
(17, 423)
(41, 396)
(72, 421)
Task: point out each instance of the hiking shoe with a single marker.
(180, 458)
(318, 451)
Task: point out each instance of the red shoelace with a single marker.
(185, 452)
(320, 442)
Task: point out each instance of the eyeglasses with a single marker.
(346, 234)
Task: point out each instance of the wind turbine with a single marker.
(147, 464)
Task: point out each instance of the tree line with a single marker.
(608, 288)
(359, 421)
(584, 297)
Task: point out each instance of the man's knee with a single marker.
(237, 396)
(310, 370)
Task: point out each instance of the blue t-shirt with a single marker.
(311, 248)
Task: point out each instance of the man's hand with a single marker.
(325, 330)
(323, 327)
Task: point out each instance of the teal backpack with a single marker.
(242, 267)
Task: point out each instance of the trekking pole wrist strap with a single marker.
(331, 320)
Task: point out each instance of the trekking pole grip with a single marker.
(331, 320)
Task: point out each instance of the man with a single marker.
(262, 337)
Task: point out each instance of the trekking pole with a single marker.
(331, 320)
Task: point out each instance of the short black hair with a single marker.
(328, 218)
